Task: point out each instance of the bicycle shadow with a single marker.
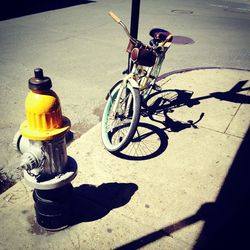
(166, 101)
(150, 141)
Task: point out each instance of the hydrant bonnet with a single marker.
(44, 120)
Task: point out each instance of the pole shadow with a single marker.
(89, 202)
(16, 8)
(201, 214)
(226, 220)
(228, 225)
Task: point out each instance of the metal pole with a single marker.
(134, 24)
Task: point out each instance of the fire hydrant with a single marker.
(42, 142)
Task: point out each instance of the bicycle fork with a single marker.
(127, 100)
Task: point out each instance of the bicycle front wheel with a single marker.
(119, 126)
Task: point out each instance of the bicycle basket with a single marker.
(143, 56)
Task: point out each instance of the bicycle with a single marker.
(122, 111)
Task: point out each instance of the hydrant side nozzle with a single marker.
(39, 81)
(20, 143)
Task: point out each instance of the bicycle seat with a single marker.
(161, 34)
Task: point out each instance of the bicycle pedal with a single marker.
(144, 113)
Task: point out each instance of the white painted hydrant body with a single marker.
(42, 142)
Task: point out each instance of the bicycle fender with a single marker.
(110, 91)
(129, 78)
(133, 83)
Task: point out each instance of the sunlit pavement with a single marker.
(165, 190)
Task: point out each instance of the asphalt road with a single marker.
(83, 51)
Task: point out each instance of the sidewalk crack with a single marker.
(225, 132)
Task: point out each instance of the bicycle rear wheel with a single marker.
(118, 128)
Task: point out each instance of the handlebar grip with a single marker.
(116, 18)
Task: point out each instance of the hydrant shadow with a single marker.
(91, 202)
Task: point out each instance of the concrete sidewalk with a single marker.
(153, 197)
(181, 187)
(83, 51)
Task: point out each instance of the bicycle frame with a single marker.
(122, 111)
(123, 86)
(147, 82)
(142, 84)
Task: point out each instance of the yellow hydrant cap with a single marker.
(43, 110)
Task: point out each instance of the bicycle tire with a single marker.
(118, 129)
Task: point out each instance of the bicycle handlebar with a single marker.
(134, 40)
(116, 18)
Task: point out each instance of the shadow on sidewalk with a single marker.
(163, 102)
(16, 8)
(226, 220)
(228, 225)
(89, 203)
(149, 140)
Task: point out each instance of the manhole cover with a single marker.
(237, 10)
(182, 40)
(182, 11)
